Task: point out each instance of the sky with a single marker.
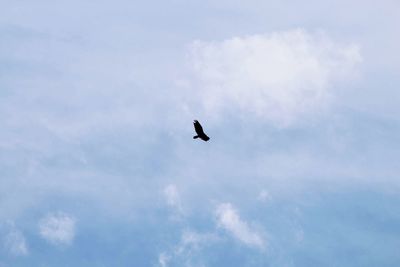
(97, 162)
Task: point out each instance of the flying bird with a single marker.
(199, 131)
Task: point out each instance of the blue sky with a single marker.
(97, 162)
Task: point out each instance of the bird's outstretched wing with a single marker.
(198, 128)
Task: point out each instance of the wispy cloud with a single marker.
(15, 242)
(279, 77)
(228, 218)
(58, 228)
(173, 199)
(190, 245)
(264, 196)
(163, 259)
(192, 240)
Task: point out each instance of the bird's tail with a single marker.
(195, 137)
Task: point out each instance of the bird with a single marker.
(199, 131)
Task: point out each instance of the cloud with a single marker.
(264, 196)
(229, 219)
(163, 259)
(58, 228)
(172, 197)
(15, 242)
(186, 251)
(279, 77)
(191, 240)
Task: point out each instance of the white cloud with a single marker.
(264, 196)
(163, 259)
(173, 198)
(192, 240)
(229, 219)
(190, 245)
(279, 77)
(58, 229)
(15, 243)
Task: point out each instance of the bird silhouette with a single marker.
(199, 131)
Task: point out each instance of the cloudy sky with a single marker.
(97, 162)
